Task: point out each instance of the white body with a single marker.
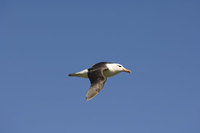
(113, 69)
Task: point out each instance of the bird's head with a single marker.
(118, 68)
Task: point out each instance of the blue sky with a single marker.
(42, 41)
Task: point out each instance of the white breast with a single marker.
(108, 73)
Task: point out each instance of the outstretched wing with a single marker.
(97, 80)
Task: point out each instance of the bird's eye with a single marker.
(120, 66)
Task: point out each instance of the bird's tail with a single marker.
(82, 74)
(78, 75)
(72, 74)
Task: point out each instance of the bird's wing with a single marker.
(97, 80)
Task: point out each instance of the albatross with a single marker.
(98, 74)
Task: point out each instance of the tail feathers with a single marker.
(78, 75)
(82, 74)
(72, 74)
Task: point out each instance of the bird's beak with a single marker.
(126, 70)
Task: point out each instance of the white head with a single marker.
(115, 67)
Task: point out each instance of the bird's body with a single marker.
(84, 73)
(98, 74)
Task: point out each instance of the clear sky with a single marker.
(43, 41)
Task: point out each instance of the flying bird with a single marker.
(98, 74)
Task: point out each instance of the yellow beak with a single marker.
(126, 70)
